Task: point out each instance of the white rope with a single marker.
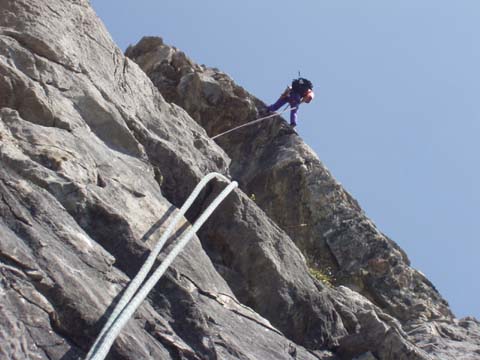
(252, 122)
(146, 267)
(127, 305)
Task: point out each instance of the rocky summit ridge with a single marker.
(98, 150)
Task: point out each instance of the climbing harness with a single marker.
(131, 298)
(253, 122)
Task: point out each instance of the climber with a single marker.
(300, 91)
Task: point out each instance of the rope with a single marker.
(252, 122)
(128, 302)
(146, 267)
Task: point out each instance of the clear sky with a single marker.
(396, 116)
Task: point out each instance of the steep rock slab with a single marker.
(97, 122)
(57, 281)
(55, 291)
(267, 272)
(292, 186)
(86, 141)
(296, 190)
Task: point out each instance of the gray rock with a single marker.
(459, 339)
(295, 190)
(88, 148)
(95, 161)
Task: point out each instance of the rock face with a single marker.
(95, 157)
(295, 189)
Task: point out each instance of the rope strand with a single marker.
(252, 122)
(130, 301)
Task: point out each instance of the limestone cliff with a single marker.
(95, 156)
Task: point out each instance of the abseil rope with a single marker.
(142, 273)
(130, 301)
(252, 122)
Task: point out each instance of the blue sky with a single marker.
(396, 116)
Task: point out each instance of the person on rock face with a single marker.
(299, 92)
